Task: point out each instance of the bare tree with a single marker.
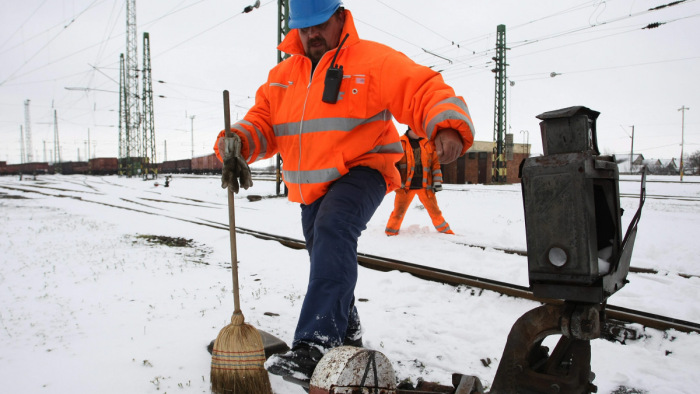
(693, 163)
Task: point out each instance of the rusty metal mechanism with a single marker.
(576, 253)
(572, 213)
(526, 367)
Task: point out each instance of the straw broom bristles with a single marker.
(238, 356)
(237, 360)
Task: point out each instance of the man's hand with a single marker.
(448, 145)
(437, 187)
(235, 170)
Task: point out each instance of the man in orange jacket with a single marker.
(327, 110)
(420, 175)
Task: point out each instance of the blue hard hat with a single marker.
(307, 13)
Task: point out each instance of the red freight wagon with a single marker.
(208, 164)
(103, 165)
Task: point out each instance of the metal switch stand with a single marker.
(527, 368)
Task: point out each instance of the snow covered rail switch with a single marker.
(350, 370)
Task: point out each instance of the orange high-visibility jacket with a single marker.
(432, 173)
(320, 142)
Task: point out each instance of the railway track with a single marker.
(662, 197)
(458, 279)
(424, 272)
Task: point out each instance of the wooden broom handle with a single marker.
(232, 217)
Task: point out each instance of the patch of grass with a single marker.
(11, 196)
(628, 390)
(167, 241)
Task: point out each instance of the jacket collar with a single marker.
(292, 42)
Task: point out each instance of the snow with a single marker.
(90, 305)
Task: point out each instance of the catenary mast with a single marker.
(56, 144)
(150, 168)
(131, 154)
(282, 31)
(27, 133)
(498, 169)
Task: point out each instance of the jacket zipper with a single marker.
(301, 121)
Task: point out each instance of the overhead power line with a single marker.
(49, 42)
(23, 23)
(205, 31)
(458, 62)
(419, 23)
(488, 36)
(523, 77)
(569, 44)
(518, 44)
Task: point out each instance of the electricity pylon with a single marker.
(130, 142)
(150, 167)
(498, 169)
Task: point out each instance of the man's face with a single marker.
(320, 39)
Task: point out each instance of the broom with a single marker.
(238, 355)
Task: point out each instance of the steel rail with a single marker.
(458, 279)
(433, 274)
(454, 278)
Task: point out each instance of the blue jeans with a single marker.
(332, 225)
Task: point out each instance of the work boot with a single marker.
(353, 333)
(357, 342)
(298, 363)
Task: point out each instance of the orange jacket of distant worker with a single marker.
(432, 173)
(318, 141)
(431, 179)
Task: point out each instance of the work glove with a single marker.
(235, 172)
(437, 187)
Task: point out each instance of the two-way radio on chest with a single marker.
(334, 76)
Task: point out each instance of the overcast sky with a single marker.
(600, 53)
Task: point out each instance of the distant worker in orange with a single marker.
(420, 175)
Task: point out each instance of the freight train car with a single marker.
(175, 167)
(209, 164)
(72, 167)
(103, 166)
(26, 169)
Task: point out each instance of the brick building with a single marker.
(475, 165)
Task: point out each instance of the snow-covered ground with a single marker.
(89, 304)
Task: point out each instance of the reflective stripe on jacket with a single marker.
(318, 141)
(432, 173)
